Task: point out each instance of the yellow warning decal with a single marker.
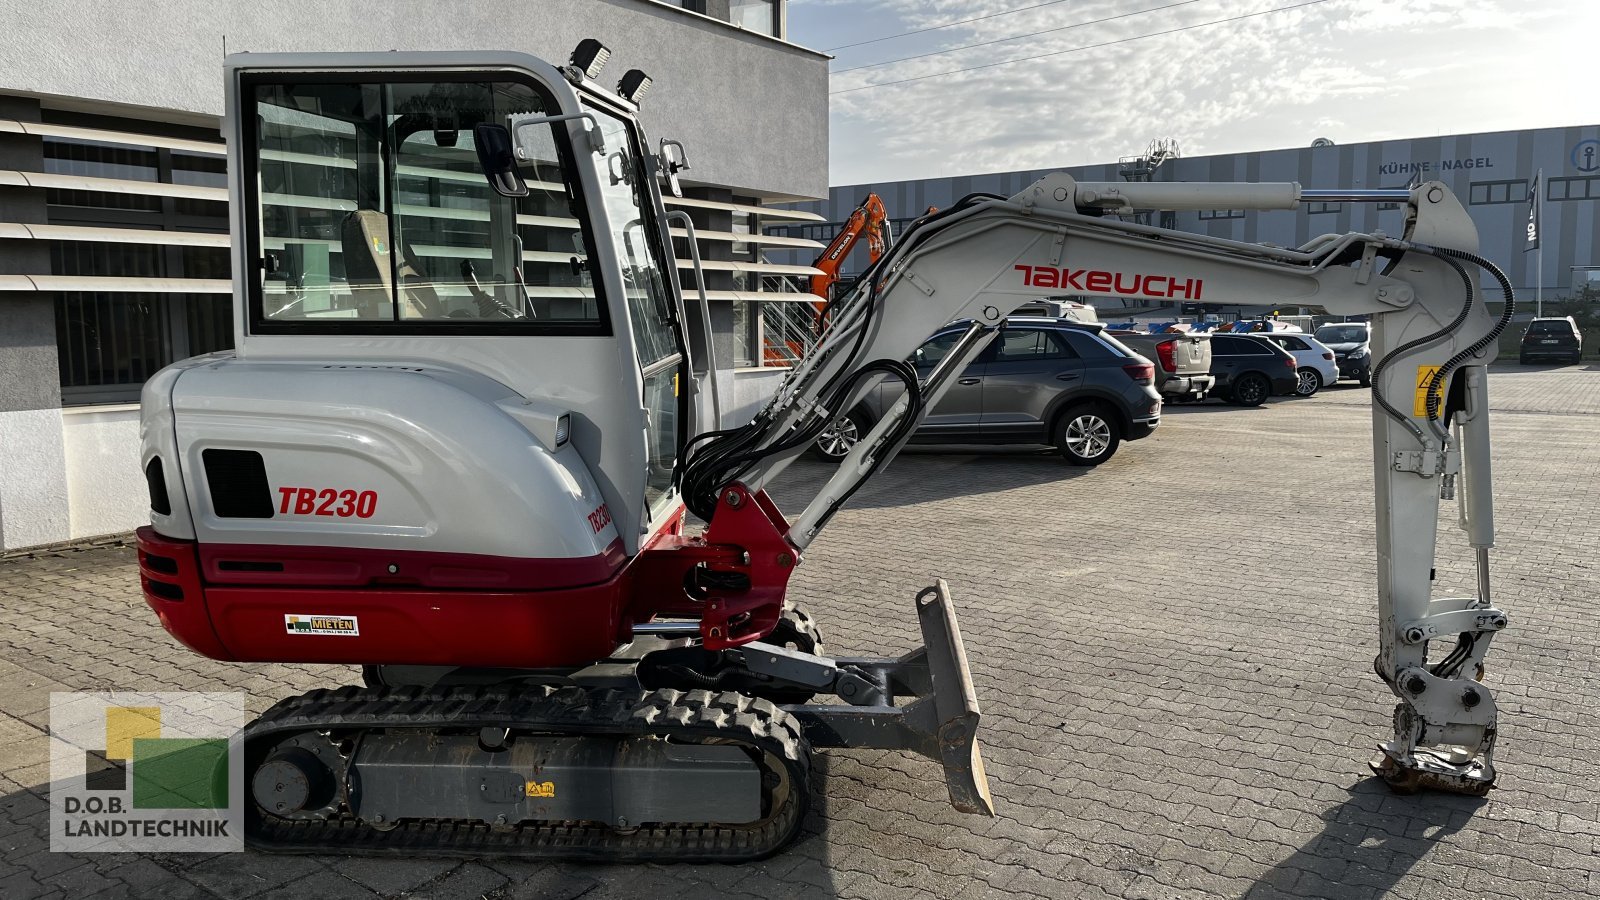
(542, 789)
(1424, 378)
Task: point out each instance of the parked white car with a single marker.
(1314, 362)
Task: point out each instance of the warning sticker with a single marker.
(1424, 378)
(344, 626)
(542, 789)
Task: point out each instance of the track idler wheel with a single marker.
(299, 779)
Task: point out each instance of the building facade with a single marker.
(1491, 173)
(114, 253)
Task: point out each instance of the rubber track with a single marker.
(556, 710)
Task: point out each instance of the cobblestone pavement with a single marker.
(1173, 652)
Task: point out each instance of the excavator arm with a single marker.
(869, 218)
(980, 259)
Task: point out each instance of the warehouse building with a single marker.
(1491, 173)
(114, 253)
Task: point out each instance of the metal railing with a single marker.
(788, 325)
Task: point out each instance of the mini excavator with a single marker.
(470, 408)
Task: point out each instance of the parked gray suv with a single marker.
(1040, 381)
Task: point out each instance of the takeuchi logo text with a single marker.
(1098, 281)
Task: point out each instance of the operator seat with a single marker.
(365, 237)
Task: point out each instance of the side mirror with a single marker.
(498, 159)
(670, 162)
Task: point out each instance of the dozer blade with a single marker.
(940, 722)
(955, 702)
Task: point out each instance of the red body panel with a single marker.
(280, 565)
(230, 602)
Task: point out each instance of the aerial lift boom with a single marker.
(476, 486)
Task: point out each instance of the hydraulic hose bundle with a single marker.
(1434, 393)
(713, 460)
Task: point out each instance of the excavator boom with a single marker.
(977, 261)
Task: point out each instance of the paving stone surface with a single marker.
(1173, 652)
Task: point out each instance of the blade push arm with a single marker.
(981, 259)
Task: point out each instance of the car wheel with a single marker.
(1308, 383)
(1366, 379)
(837, 439)
(1087, 435)
(1251, 389)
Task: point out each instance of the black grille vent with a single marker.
(238, 483)
(156, 479)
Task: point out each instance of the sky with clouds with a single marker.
(1347, 70)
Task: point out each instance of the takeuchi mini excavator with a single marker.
(470, 410)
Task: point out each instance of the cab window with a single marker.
(374, 215)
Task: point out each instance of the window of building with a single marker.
(94, 159)
(1317, 209)
(755, 15)
(1487, 192)
(746, 334)
(108, 342)
(1574, 188)
(1207, 214)
(822, 232)
(744, 223)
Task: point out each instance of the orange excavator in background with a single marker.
(870, 218)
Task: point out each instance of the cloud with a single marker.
(1356, 68)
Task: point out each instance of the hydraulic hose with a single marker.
(1426, 340)
(712, 460)
(1434, 398)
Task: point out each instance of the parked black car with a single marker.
(1552, 338)
(1351, 343)
(1040, 381)
(1250, 369)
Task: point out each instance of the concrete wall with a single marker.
(744, 391)
(753, 111)
(106, 491)
(33, 483)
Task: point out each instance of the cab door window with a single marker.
(652, 307)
